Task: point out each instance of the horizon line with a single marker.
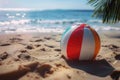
(30, 9)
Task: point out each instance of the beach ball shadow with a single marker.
(99, 68)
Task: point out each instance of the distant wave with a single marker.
(40, 21)
(15, 9)
(58, 21)
(27, 21)
(21, 15)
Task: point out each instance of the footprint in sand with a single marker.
(117, 57)
(6, 44)
(24, 44)
(50, 46)
(47, 38)
(3, 56)
(58, 50)
(16, 71)
(24, 56)
(29, 47)
(61, 65)
(23, 51)
(37, 45)
(38, 40)
(115, 75)
(68, 76)
(112, 47)
(44, 70)
(44, 49)
(15, 40)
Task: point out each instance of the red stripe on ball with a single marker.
(75, 43)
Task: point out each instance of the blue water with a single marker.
(11, 21)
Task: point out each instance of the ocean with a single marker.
(49, 20)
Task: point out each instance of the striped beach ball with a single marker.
(80, 42)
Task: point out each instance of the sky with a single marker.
(45, 4)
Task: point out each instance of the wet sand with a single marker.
(37, 56)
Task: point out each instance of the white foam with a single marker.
(4, 23)
(58, 21)
(15, 22)
(18, 14)
(25, 29)
(10, 16)
(20, 21)
(7, 14)
(105, 28)
(23, 15)
(95, 21)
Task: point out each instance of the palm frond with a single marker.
(109, 10)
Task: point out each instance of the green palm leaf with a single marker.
(109, 10)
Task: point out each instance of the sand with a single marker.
(37, 56)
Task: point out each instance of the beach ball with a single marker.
(80, 42)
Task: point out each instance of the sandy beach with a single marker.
(37, 56)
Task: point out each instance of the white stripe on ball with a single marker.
(88, 45)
